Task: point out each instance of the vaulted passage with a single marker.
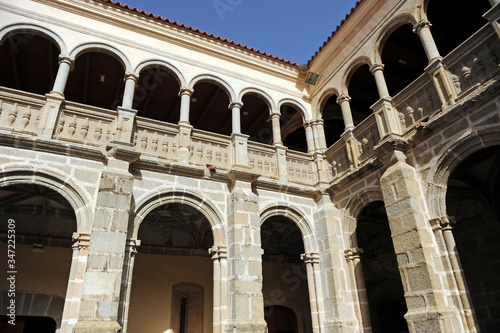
(172, 282)
(473, 202)
(383, 282)
(285, 284)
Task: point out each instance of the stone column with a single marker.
(378, 72)
(353, 258)
(75, 284)
(430, 309)
(128, 94)
(352, 148)
(126, 288)
(281, 162)
(309, 136)
(185, 129)
(236, 116)
(311, 259)
(185, 94)
(338, 303)
(443, 231)
(343, 101)
(219, 256)
(99, 307)
(275, 122)
(319, 130)
(244, 253)
(66, 65)
(440, 76)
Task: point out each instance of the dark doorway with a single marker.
(28, 325)
(280, 319)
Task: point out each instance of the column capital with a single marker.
(343, 98)
(81, 241)
(186, 91)
(421, 25)
(132, 245)
(233, 105)
(377, 67)
(275, 114)
(131, 76)
(310, 258)
(218, 252)
(67, 60)
(319, 122)
(442, 223)
(353, 253)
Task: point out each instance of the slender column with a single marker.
(443, 226)
(126, 289)
(75, 284)
(128, 94)
(236, 116)
(185, 94)
(66, 65)
(378, 72)
(353, 258)
(343, 101)
(275, 121)
(219, 257)
(310, 259)
(423, 30)
(309, 136)
(320, 133)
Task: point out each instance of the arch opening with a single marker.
(255, 120)
(363, 92)
(293, 133)
(333, 120)
(210, 108)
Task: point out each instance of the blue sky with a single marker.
(290, 29)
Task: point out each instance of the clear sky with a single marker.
(290, 29)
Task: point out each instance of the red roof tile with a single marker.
(358, 3)
(204, 33)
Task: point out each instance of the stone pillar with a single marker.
(387, 118)
(126, 288)
(440, 76)
(185, 94)
(430, 307)
(352, 148)
(236, 116)
(244, 253)
(309, 136)
(281, 162)
(99, 307)
(220, 306)
(443, 232)
(125, 125)
(319, 132)
(353, 258)
(309, 260)
(338, 303)
(128, 94)
(240, 150)
(275, 121)
(50, 113)
(378, 72)
(343, 101)
(66, 65)
(75, 284)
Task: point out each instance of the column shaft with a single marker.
(275, 121)
(236, 117)
(65, 66)
(128, 94)
(185, 94)
(343, 101)
(309, 137)
(423, 30)
(378, 73)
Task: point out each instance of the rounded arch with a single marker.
(167, 195)
(355, 64)
(263, 95)
(297, 216)
(297, 105)
(153, 63)
(215, 80)
(104, 48)
(20, 28)
(65, 185)
(448, 161)
(321, 101)
(387, 31)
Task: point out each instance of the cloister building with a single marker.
(163, 179)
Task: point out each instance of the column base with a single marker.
(246, 327)
(97, 327)
(433, 320)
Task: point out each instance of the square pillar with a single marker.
(387, 117)
(184, 142)
(50, 113)
(240, 149)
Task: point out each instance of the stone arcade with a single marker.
(162, 179)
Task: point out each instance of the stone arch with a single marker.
(448, 161)
(292, 304)
(14, 29)
(167, 195)
(65, 185)
(297, 216)
(263, 95)
(296, 105)
(215, 80)
(153, 63)
(355, 64)
(321, 101)
(35, 304)
(354, 207)
(104, 48)
(387, 31)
